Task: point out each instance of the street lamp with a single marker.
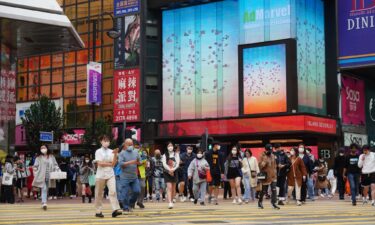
(113, 33)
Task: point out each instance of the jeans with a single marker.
(354, 184)
(142, 184)
(199, 190)
(265, 190)
(44, 192)
(118, 188)
(246, 184)
(159, 184)
(310, 187)
(127, 185)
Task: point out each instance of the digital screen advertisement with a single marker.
(264, 79)
(352, 101)
(356, 28)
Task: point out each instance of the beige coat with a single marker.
(249, 165)
(267, 164)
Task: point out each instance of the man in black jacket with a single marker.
(283, 166)
(338, 169)
(216, 161)
(307, 184)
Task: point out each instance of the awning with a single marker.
(34, 27)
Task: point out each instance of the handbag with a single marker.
(88, 191)
(253, 173)
(322, 178)
(201, 173)
(262, 176)
(58, 175)
(7, 179)
(92, 180)
(209, 177)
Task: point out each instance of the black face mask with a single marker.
(157, 156)
(268, 153)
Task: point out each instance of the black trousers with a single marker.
(73, 187)
(340, 186)
(227, 189)
(281, 180)
(188, 187)
(265, 190)
(8, 193)
(304, 191)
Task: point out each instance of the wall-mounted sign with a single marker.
(359, 139)
(94, 83)
(124, 7)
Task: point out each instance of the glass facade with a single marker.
(63, 75)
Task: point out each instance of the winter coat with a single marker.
(267, 164)
(322, 170)
(296, 172)
(40, 168)
(249, 165)
(193, 170)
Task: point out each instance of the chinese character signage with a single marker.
(126, 92)
(128, 46)
(94, 83)
(352, 101)
(124, 7)
(356, 29)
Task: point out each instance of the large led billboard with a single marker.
(264, 79)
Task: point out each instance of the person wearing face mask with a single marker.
(171, 162)
(250, 169)
(158, 175)
(352, 172)
(106, 159)
(129, 159)
(86, 169)
(296, 175)
(308, 184)
(283, 165)
(233, 172)
(141, 174)
(322, 181)
(268, 165)
(197, 173)
(338, 169)
(150, 167)
(367, 164)
(216, 161)
(44, 164)
(185, 186)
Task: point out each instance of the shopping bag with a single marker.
(92, 180)
(7, 179)
(208, 176)
(57, 175)
(347, 187)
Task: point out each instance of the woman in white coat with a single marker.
(44, 165)
(250, 169)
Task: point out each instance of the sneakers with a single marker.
(354, 203)
(299, 203)
(99, 215)
(140, 205)
(274, 206)
(246, 201)
(163, 199)
(183, 199)
(202, 204)
(126, 212)
(195, 201)
(280, 203)
(260, 205)
(174, 200)
(192, 199)
(50, 198)
(234, 201)
(321, 195)
(209, 199)
(239, 201)
(116, 213)
(44, 206)
(170, 206)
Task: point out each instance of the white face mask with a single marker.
(105, 144)
(189, 151)
(292, 153)
(170, 149)
(218, 147)
(199, 155)
(301, 150)
(234, 152)
(43, 151)
(87, 160)
(341, 154)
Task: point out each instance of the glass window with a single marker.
(33, 78)
(82, 10)
(45, 90)
(70, 11)
(98, 53)
(70, 58)
(69, 89)
(57, 60)
(108, 69)
(107, 102)
(107, 6)
(22, 94)
(152, 66)
(151, 82)
(69, 73)
(45, 62)
(81, 72)
(22, 65)
(82, 26)
(70, 120)
(95, 8)
(69, 2)
(33, 63)
(152, 49)
(107, 86)
(81, 88)
(33, 92)
(69, 105)
(108, 53)
(151, 32)
(56, 91)
(57, 75)
(83, 119)
(82, 56)
(81, 104)
(45, 77)
(108, 116)
(21, 79)
(107, 40)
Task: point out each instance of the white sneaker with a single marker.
(55, 197)
(174, 200)
(184, 199)
(239, 201)
(44, 206)
(192, 199)
(234, 201)
(321, 195)
(170, 206)
(299, 203)
(49, 198)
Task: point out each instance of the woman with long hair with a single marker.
(250, 169)
(9, 171)
(171, 162)
(233, 172)
(86, 169)
(44, 165)
(296, 175)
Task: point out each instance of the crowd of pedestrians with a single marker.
(129, 176)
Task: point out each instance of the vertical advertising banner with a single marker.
(128, 45)
(264, 79)
(126, 96)
(356, 32)
(94, 83)
(123, 7)
(352, 101)
(370, 112)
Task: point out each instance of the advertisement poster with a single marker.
(126, 96)
(75, 138)
(352, 101)
(356, 19)
(94, 83)
(124, 7)
(128, 45)
(359, 139)
(264, 78)
(370, 112)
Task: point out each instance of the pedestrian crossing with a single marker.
(318, 212)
